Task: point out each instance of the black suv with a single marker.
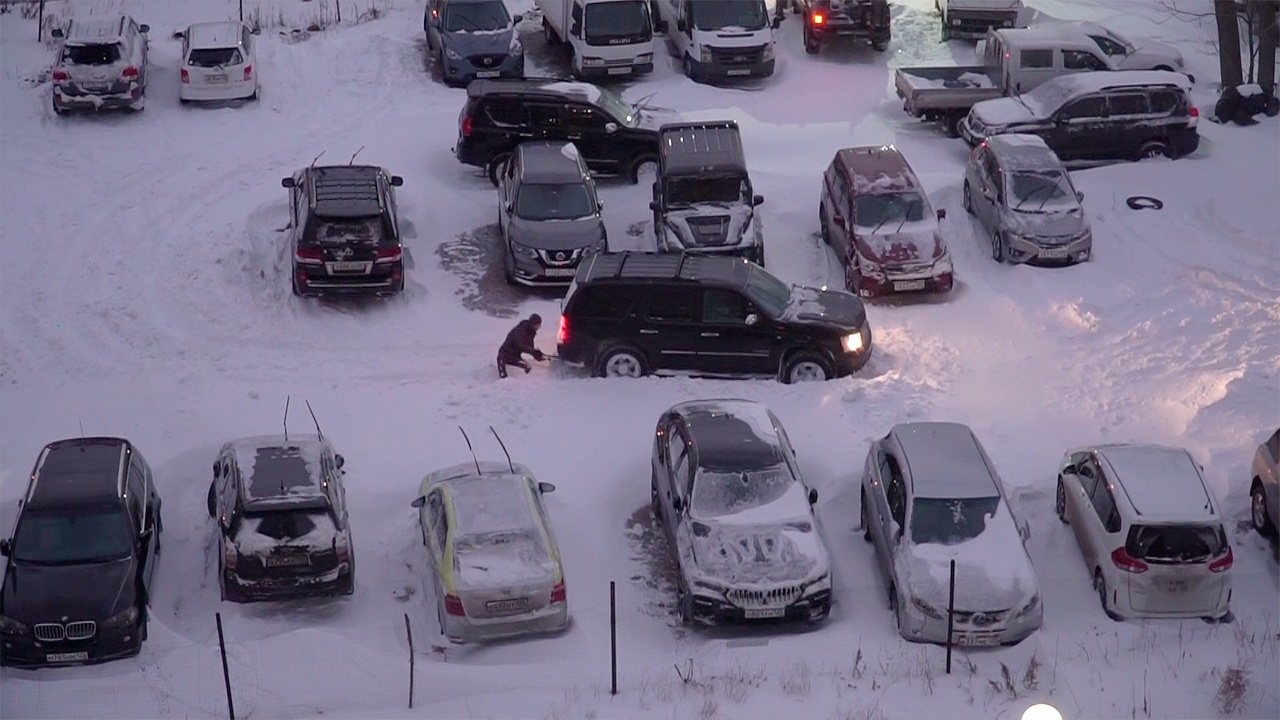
(614, 137)
(82, 557)
(281, 510)
(628, 314)
(343, 231)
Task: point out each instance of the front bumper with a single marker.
(710, 610)
(718, 71)
(533, 272)
(887, 283)
(338, 581)
(612, 71)
(465, 69)
(550, 619)
(919, 627)
(64, 100)
(1028, 250)
(23, 650)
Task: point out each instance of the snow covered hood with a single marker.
(763, 545)
(998, 112)
(832, 308)
(916, 241)
(993, 571)
(710, 224)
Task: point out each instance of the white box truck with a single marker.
(606, 38)
(721, 40)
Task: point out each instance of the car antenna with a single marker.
(286, 418)
(473, 450)
(81, 422)
(504, 450)
(354, 154)
(313, 162)
(314, 420)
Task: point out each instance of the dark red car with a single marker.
(876, 216)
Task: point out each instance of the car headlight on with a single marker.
(9, 626)
(123, 620)
(592, 61)
(523, 251)
(852, 342)
(926, 608)
(451, 54)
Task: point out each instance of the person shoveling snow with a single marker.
(519, 342)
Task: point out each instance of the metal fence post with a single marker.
(226, 674)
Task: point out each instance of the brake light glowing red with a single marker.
(1194, 111)
(60, 76)
(818, 18)
(466, 126)
(129, 72)
(557, 592)
(562, 334)
(186, 77)
(1223, 563)
(1126, 562)
(453, 606)
(248, 72)
(313, 254)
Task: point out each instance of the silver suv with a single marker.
(101, 65)
(548, 212)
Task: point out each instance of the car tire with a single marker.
(440, 616)
(997, 248)
(1164, 68)
(879, 45)
(60, 112)
(1100, 584)
(688, 68)
(644, 165)
(806, 366)
(296, 290)
(496, 166)
(1258, 511)
(212, 500)
(852, 278)
(508, 267)
(968, 198)
(622, 361)
(1060, 502)
(655, 502)
(142, 628)
(864, 518)
(811, 44)
(1154, 149)
(823, 232)
(894, 608)
(684, 600)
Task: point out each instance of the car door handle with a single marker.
(645, 331)
(710, 334)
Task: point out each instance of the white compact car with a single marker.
(1150, 531)
(218, 63)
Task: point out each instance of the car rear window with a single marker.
(92, 54)
(1175, 544)
(289, 524)
(214, 57)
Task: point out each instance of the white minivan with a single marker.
(1149, 529)
(719, 40)
(218, 62)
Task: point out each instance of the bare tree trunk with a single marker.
(1267, 46)
(1224, 12)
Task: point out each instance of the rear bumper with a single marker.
(464, 71)
(25, 651)
(314, 281)
(339, 581)
(108, 101)
(229, 91)
(973, 24)
(848, 30)
(463, 629)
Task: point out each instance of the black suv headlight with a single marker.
(122, 620)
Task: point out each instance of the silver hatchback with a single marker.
(1023, 197)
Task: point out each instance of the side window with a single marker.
(606, 303)
(896, 492)
(246, 37)
(675, 448)
(673, 304)
(583, 118)
(576, 16)
(1088, 475)
(725, 306)
(1081, 60)
(439, 519)
(839, 188)
(136, 489)
(503, 112)
(1092, 106)
(1107, 45)
(846, 199)
(1105, 505)
(992, 166)
(1127, 104)
(680, 474)
(1035, 59)
(1164, 102)
(1273, 446)
(544, 116)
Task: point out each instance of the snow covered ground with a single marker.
(144, 293)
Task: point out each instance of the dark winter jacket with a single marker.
(519, 341)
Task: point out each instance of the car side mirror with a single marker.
(339, 460)
(396, 181)
(681, 25)
(515, 19)
(757, 200)
(546, 487)
(777, 20)
(179, 34)
(751, 319)
(942, 213)
(287, 182)
(6, 547)
(611, 127)
(144, 28)
(655, 206)
(813, 496)
(1079, 196)
(419, 501)
(56, 32)
(677, 503)
(599, 205)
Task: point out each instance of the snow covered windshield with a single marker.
(724, 14)
(617, 21)
(768, 292)
(1035, 190)
(874, 211)
(342, 230)
(693, 191)
(214, 57)
(67, 538)
(724, 493)
(567, 201)
(947, 522)
(472, 16)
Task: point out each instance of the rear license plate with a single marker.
(561, 272)
(66, 657)
(1056, 254)
(905, 285)
(977, 640)
(93, 86)
(349, 266)
(216, 79)
(488, 73)
(507, 606)
(739, 71)
(761, 613)
(288, 561)
(619, 70)
(1177, 586)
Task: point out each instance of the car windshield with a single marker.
(619, 110)
(473, 16)
(617, 21)
(722, 14)
(343, 230)
(716, 494)
(767, 292)
(214, 57)
(874, 211)
(91, 54)
(1036, 190)
(562, 201)
(697, 190)
(947, 521)
(1175, 544)
(73, 537)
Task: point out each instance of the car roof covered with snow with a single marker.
(95, 30)
(491, 503)
(1053, 94)
(214, 34)
(877, 169)
(944, 461)
(1159, 481)
(1022, 151)
(546, 87)
(731, 434)
(276, 471)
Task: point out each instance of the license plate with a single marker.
(488, 73)
(764, 613)
(739, 71)
(349, 266)
(1054, 254)
(505, 606)
(93, 87)
(561, 272)
(905, 285)
(1177, 586)
(977, 640)
(288, 561)
(66, 657)
(619, 70)
(216, 79)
